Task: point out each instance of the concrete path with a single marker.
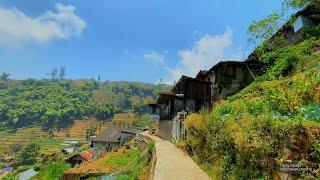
(173, 164)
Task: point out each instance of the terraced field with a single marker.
(30, 134)
(123, 119)
(49, 145)
(78, 129)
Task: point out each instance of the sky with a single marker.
(124, 40)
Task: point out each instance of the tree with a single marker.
(296, 4)
(15, 148)
(51, 133)
(139, 107)
(265, 28)
(54, 73)
(5, 76)
(142, 121)
(30, 151)
(95, 84)
(62, 73)
(91, 131)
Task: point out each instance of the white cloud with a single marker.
(154, 57)
(17, 27)
(205, 53)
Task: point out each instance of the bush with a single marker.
(53, 171)
(248, 135)
(195, 130)
(311, 32)
(311, 112)
(142, 121)
(13, 175)
(30, 152)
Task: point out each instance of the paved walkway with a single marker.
(173, 164)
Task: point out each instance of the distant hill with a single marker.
(58, 102)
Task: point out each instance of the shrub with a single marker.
(13, 175)
(311, 32)
(30, 152)
(195, 129)
(246, 137)
(53, 171)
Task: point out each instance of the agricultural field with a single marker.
(124, 119)
(125, 163)
(30, 134)
(51, 144)
(78, 129)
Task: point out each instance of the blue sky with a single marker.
(141, 40)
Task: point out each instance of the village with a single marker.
(206, 90)
(209, 87)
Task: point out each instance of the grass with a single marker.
(245, 136)
(122, 160)
(52, 171)
(4, 164)
(49, 145)
(138, 166)
(30, 134)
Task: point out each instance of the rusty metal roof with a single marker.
(110, 134)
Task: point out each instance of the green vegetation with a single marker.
(13, 175)
(252, 133)
(128, 95)
(265, 28)
(46, 102)
(55, 103)
(119, 162)
(13, 142)
(142, 121)
(52, 171)
(131, 164)
(30, 152)
(91, 131)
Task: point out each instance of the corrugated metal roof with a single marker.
(110, 134)
(131, 130)
(87, 155)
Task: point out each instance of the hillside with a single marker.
(57, 103)
(272, 122)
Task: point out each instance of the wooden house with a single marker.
(292, 31)
(188, 94)
(111, 138)
(222, 80)
(80, 158)
(195, 94)
(229, 77)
